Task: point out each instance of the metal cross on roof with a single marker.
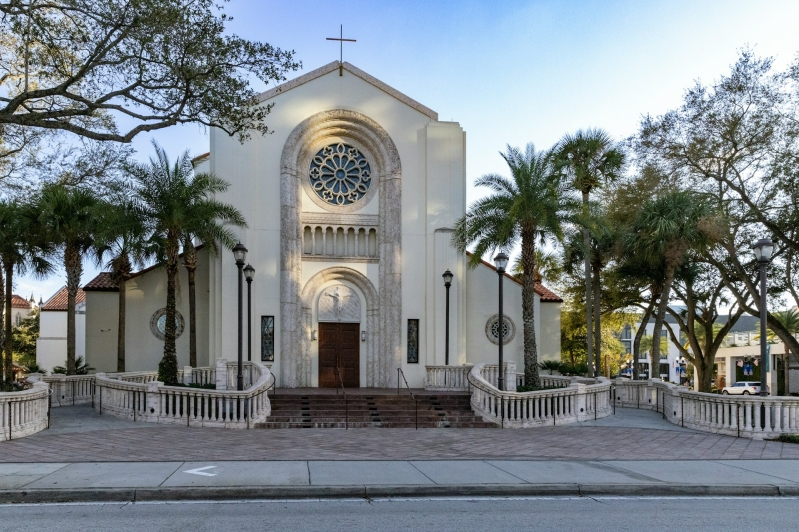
(341, 40)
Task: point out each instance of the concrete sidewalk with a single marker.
(225, 480)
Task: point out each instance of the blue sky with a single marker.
(512, 72)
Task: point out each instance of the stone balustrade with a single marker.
(733, 415)
(153, 402)
(66, 390)
(566, 404)
(25, 412)
(447, 378)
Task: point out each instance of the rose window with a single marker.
(340, 174)
(492, 329)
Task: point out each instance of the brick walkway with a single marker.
(96, 440)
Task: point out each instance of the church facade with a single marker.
(350, 205)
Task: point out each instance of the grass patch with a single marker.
(788, 438)
(208, 386)
(536, 388)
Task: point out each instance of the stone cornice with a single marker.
(352, 69)
(321, 218)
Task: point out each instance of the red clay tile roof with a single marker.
(59, 300)
(547, 295)
(101, 283)
(200, 158)
(19, 302)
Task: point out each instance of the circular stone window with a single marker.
(340, 175)
(492, 329)
(158, 324)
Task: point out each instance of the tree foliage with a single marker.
(109, 70)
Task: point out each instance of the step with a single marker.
(353, 425)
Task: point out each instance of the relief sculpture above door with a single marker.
(339, 303)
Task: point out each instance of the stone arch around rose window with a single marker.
(341, 125)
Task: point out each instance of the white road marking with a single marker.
(200, 471)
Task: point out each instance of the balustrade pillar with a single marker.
(221, 374)
(510, 376)
(187, 378)
(581, 401)
(153, 401)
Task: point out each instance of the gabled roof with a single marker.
(59, 300)
(104, 283)
(19, 302)
(101, 283)
(547, 295)
(201, 158)
(352, 69)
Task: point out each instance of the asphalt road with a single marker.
(461, 515)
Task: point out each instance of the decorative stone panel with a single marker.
(354, 129)
(339, 303)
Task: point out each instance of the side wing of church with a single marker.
(350, 205)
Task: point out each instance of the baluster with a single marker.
(766, 411)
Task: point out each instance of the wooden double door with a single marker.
(339, 347)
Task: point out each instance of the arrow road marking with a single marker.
(200, 471)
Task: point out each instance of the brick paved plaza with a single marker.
(80, 435)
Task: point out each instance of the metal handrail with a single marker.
(346, 401)
(415, 400)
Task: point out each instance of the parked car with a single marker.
(742, 388)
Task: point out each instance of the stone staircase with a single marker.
(396, 411)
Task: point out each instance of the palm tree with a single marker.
(22, 248)
(591, 159)
(69, 216)
(547, 267)
(177, 204)
(603, 239)
(123, 238)
(529, 207)
(666, 229)
(203, 227)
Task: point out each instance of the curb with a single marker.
(388, 491)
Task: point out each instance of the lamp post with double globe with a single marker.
(763, 249)
(447, 283)
(240, 254)
(501, 262)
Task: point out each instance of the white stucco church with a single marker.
(350, 204)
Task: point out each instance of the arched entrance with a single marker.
(340, 320)
(338, 314)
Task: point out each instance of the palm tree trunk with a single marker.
(597, 319)
(8, 344)
(660, 318)
(74, 268)
(121, 325)
(531, 375)
(168, 367)
(588, 303)
(190, 262)
(3, 370)
(640, 334)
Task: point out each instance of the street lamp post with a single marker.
(501, 262)
(447, 283)
(249, 275)
(240, 253)
(762, 249)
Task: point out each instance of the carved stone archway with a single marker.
(372, 325)
(341, 125)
